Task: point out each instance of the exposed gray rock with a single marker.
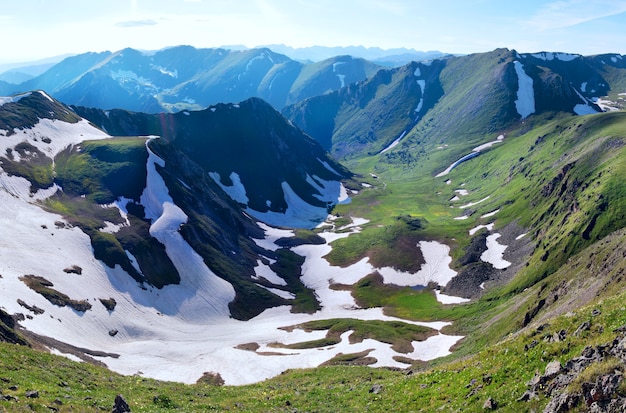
(527, 396)
(601, 395)
(583, 327)
(601, 392)
(490, 404)
(552, 369)
(562, 402)
(120, 405)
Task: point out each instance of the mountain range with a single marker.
(470, 207)
(184, 77)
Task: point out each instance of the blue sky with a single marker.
(33, 29)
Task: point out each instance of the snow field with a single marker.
(181, 331)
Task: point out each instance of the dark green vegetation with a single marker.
(394, 245)
(98, 173)
(250, 139)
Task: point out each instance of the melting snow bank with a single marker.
(583, 108)
(479, 227)
(60, 135)
(457, 163)
(299, 213)
(475, 152)
(436, 269)
(395, 143)
(449, 299)
(495, 252)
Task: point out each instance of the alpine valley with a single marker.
(209, 229)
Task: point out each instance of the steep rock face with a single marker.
(187, 78)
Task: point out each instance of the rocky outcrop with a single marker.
(120, 405)
(592, 381)
(7, 330)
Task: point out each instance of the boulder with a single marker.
(120, 405)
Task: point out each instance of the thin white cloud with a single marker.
(568, 13)
(136, 23)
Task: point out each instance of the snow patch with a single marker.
(20, 187)
(59, 136)
(490, 214)
(450, 299)
(236, 191)
(479, 148)
(330, 192)
(525, 102)
(471, 204)
(264, 271)
(281, 293)
(394, 143)
(299, 213)
(327, 166)
(605, 104)
(457, 163)
(583, 87)
(479, 227)
(548, 56)
(435, 269)
(583, 108)
(495, 251)
(271, 235)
